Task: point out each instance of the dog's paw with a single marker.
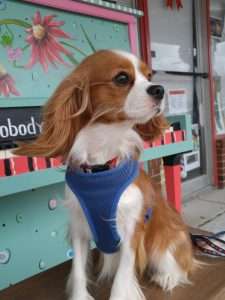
(118, 298)
(131, 290)
(81, 297)
(134, 294)
(168, 281)
(133, 297)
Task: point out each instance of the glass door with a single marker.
(179, 58)
(217, 25)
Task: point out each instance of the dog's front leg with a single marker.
(77, 282)
(125, 285)
(80, 237)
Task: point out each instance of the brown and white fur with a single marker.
(91, 119)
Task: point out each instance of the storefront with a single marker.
(184, 42)
(186, 46)
(217, 39)
(178, 48)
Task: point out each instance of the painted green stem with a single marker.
(15, 22)
(17, 66)
(73, 47)
(25, 47)
(10, 31)
(88, 39)
(72, 60)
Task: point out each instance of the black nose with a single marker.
(156, 91)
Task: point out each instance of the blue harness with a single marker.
(98, 195)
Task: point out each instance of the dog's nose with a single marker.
(156, 91)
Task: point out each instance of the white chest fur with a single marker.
(99, 143)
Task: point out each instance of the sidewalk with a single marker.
(206, 210)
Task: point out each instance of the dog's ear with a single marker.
(66, 112)
(153, 128)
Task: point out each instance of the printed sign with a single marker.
(177, 101)
(19, 123)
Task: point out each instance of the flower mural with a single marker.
(42, 37)
(45, 43)
(7, 84)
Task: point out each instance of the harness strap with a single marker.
(99, 194)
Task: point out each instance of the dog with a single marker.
(96, 120)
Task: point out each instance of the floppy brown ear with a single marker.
(153, 128)
(64, 115)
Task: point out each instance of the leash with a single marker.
(212, 245)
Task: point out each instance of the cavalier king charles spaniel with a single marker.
(97, 120)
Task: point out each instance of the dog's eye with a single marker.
(121, 79)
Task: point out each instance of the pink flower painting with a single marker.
(43, 38)
(14, 54)
(7, 84)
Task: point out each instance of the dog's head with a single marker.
(108, 86)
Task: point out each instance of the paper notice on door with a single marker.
(167, 57)
(177, 101)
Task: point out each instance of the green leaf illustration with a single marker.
(6, 40)
(7, 37)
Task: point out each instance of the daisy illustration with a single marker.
(43, 38)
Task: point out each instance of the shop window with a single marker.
(217, 22)
(174, 45)
(217, 26)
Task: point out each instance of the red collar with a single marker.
(110, 164)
